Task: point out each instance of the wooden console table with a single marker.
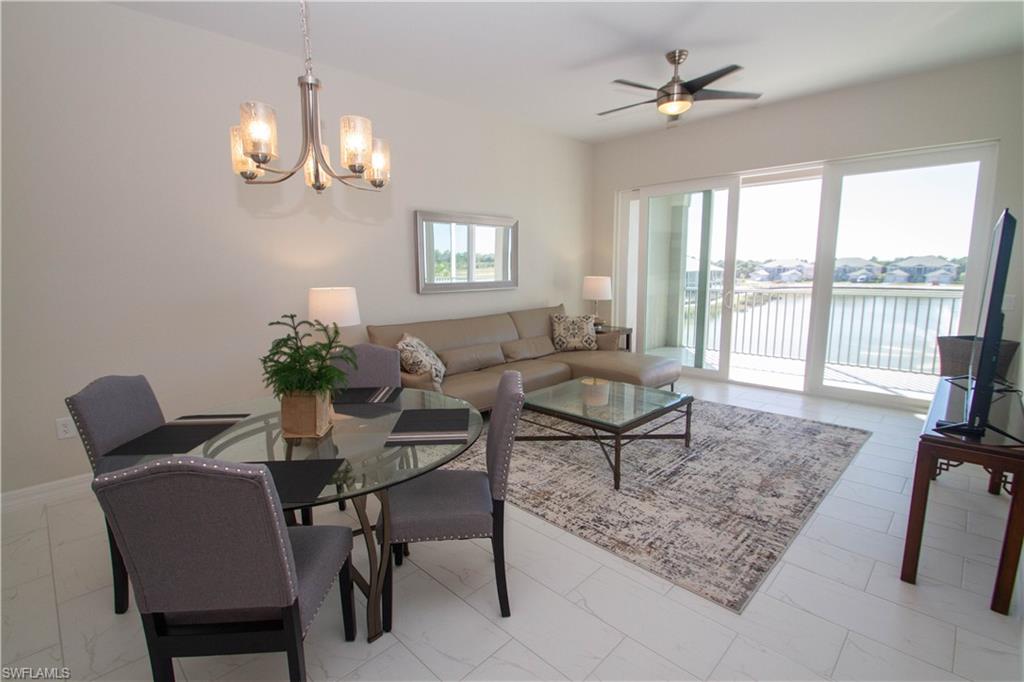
(1002, 457)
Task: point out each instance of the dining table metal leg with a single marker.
(378, 560)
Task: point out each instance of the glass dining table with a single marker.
(350, 462)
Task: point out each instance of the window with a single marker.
(459, 252)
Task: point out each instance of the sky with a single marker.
(914, 212)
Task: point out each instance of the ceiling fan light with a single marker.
(675, 107)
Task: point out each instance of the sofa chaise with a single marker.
(476, 350)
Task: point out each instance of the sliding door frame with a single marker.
(833, 172)
(622, 264)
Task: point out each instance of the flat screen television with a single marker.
(981, 380)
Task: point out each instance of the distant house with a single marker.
(861, 276)
(866, 270)
(760, 275)
(794, 275)
(776, 269)
(919, 268)
(715, 274)
(896, 276)
(942, 276)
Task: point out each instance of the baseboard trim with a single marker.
(46, 493)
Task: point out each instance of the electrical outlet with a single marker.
(66, 428)
(1009, 303)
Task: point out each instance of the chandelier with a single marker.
(254, 141)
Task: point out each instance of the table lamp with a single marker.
(334, 304)
(597, 288)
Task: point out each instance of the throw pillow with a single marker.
(418, 358)
(469, 358)
(527, 349)
(573, 332)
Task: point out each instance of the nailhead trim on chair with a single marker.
(395, 541)
(318, 607)
(81, 433)
(206, 464)
(511, 436)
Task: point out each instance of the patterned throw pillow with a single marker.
(573, 333)
(418, 358)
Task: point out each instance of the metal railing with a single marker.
(892, 328)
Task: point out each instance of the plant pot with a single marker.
(955, 354)
(305, 415)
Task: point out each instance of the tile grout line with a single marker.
(889, 601)
(916, 658)
(491, 584)
(451, 592)
(919, 612)
(678, 604)
(956, 638)
(366, 662)
(846, 638)
(736, 636)
(53, 579)
(605, 657)
(585, 579)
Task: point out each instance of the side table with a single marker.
(626, 332)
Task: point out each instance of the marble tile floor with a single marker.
(833, 607)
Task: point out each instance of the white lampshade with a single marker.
(334, 304)
(597, 288)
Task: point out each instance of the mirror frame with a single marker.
(424, 217)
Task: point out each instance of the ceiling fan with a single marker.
(676, 96)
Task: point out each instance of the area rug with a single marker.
(715, 523)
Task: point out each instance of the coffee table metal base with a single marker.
(600, 436)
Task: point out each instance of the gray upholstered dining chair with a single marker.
(375, 366)
(109, 412)
(454, 505)
(216, 571)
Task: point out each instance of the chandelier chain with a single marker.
(304, 25)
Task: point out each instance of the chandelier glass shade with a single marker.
(366, 159)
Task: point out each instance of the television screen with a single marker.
(981, 377)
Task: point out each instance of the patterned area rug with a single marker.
(714, 524)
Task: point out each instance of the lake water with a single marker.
(881, 329)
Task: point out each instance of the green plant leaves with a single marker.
(295, 364)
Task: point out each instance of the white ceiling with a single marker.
(552, 63)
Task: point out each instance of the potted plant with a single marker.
(300, 372)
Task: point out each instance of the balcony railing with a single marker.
(891, 328)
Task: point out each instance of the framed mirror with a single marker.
(466, 252)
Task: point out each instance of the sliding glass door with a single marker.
(775, 249)
(836, 279)
(683, 309)
(893, 272)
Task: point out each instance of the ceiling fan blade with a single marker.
(634, 84)
(709, 78)
(724, 94)
(628, 106)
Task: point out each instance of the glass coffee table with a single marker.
(612, 410)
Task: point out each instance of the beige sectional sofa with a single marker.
(476, 350)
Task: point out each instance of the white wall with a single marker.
(966, 103)
(129, 247)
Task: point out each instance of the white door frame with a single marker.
(621, 266)
(833, 173)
